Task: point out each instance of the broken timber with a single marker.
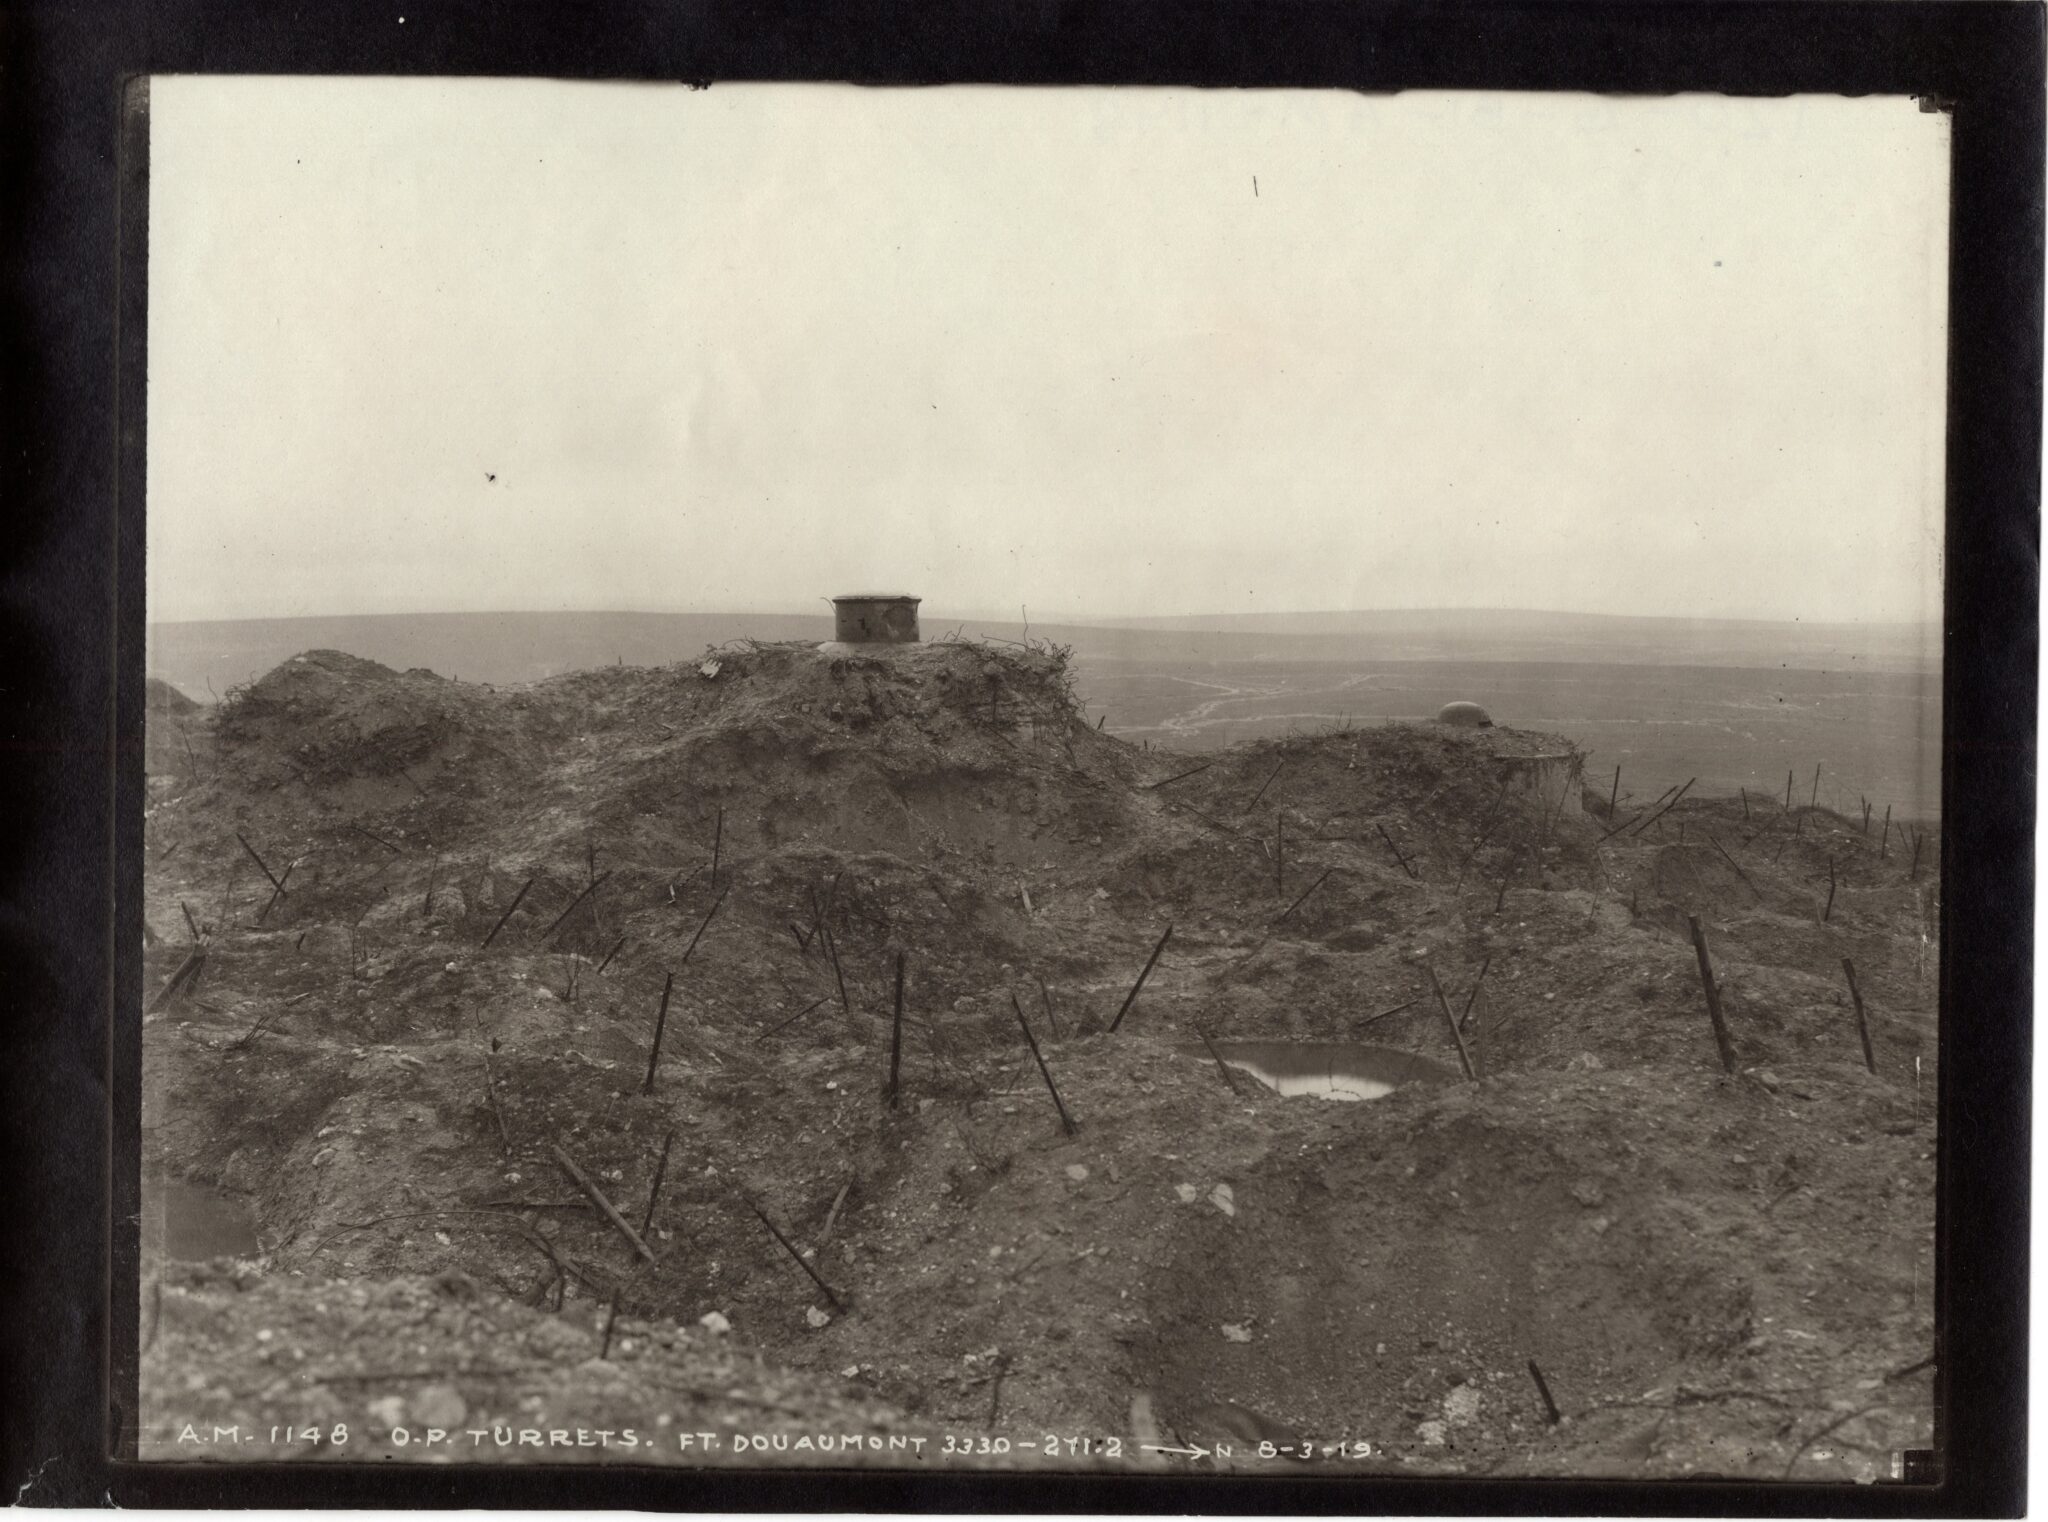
(1176, 777)
(1229, 1078)
(1722, 1043)
(609, 1210)
(1066, 1120)
(801, 1262)
(1304, 895)
(273, 876)
(1464, 1057)
(1131, 997)
(1405, 865)
(517, 899)
(660, 1024)
(660, 1172)
(574, 903)
(1862, 1020)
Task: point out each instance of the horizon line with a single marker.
(1088, 620)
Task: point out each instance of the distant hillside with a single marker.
(205, 659)
(1524, 634)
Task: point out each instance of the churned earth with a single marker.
(412, 940)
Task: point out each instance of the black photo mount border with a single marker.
(73, 187)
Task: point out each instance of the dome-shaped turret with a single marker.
(1464, 715)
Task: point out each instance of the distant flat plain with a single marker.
(1737, 705)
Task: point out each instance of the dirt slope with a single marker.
(1715, 1273)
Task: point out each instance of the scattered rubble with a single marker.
(443, 924)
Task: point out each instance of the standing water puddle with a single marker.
(1327, 1069)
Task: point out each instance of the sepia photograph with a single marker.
(1073, 780)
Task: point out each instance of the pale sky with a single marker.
(1097, 352)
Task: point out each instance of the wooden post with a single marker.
(1564, 794)
(660, 1024)
(1830, 909)
(1788, 792)
(1738, 868)
(1862, 1021)
(682, 880)
(790, 1248)
(1614, 793)
(1745, 803)
(616, 946)
(1405, 867)
(832, 950)
(832, 1215)
(1045, 998)
(491, 1090)
(271, 902)
(1465, 1014)
(1229, 1078)
(597, 1198)
(660, 1172)
(1643, 816)
(1551, 1413)
(1177, 776)
(517, 899)
(1131, 997)
(387, 845)
(1066, 1120)
(1919, 839)
(1721, 1040)
(1263, 786)
(1637, 830)
(604, 1348)
(1815, 799)
(1464, 1057)
(785, 1025)
(896, 1037)
(259, 863)
(1502, 896)
(1884, 844)
(574, 904)
(709, 915)
(1305, 893)
(1382, 1015)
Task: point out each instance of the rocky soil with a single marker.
(492, 899)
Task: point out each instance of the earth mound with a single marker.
(160, 697)
(612, 1387)
(862, 998)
